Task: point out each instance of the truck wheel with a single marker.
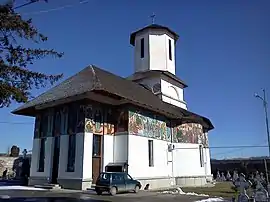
(98, 192)
(136, 189)
(113, 191)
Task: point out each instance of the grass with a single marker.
(223, 189)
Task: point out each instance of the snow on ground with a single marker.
(19, 188)
(181, 192)
(211, 200)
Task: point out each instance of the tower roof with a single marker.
(152, 27)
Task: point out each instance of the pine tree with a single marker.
(16, 79)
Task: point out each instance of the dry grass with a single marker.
(223, 189)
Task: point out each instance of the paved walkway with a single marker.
(90, 196)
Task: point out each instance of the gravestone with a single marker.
(228, 176)
(235, 176)
(261, 195)
(251, 176)
(242, 184)
(262, 177)
(218, 178)
(223, 178)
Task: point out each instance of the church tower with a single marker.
(154, 48)
(154, 63)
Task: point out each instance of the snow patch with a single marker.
(181, 192)
(19, 188)
(211, 200)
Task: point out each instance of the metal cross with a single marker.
(153, 18)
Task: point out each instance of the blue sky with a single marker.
(223, 55)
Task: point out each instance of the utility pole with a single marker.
(263, 98)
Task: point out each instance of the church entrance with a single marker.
(55, 165)
(97, 156)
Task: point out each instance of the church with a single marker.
(97, 121)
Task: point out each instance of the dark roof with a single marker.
(94, 79)
(152, 26)
(152, 73)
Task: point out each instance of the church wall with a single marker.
(141, 64)
(108, 150)
(189, 155)
(87, 156)
(35, 156)
(138, 159)
(185, 160)
(172, 94)
(143, 127)
(79, 154)
(120, 148)
(159, 51)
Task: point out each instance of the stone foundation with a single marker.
(184, 181)
(191, 181)
(34, 180)
(156, 182)
(78, 184)
(147, 183)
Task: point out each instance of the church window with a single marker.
(71, 153)
(44, 125)
(151, 153)
(201, 155)
(41, 161)
(170, 49)
(142, 48)
(72, 119)
(64, 121)
(97, 145)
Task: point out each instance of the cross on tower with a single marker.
(153, 18)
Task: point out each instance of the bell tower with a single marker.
(154, 63)
(154, 48)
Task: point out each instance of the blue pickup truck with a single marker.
(115, 182)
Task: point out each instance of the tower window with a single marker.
(170, 49)
(142, 48)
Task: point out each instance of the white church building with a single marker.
(97, 121)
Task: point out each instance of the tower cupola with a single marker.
(154, 48)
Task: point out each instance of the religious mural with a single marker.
(190, 133)
(121, 117)
(147, 126)
(99, 120)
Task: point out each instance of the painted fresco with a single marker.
(109, 122)
(121, 121)
(147, 126)
(189, 133)
(98, 121)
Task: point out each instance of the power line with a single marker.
(15, 123)
(26, 4)
(57, 8)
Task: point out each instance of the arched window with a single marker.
(172, 92)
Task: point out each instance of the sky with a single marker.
(223, 54)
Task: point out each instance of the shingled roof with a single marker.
(94, 79)
(152, 27)
(152, 73)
